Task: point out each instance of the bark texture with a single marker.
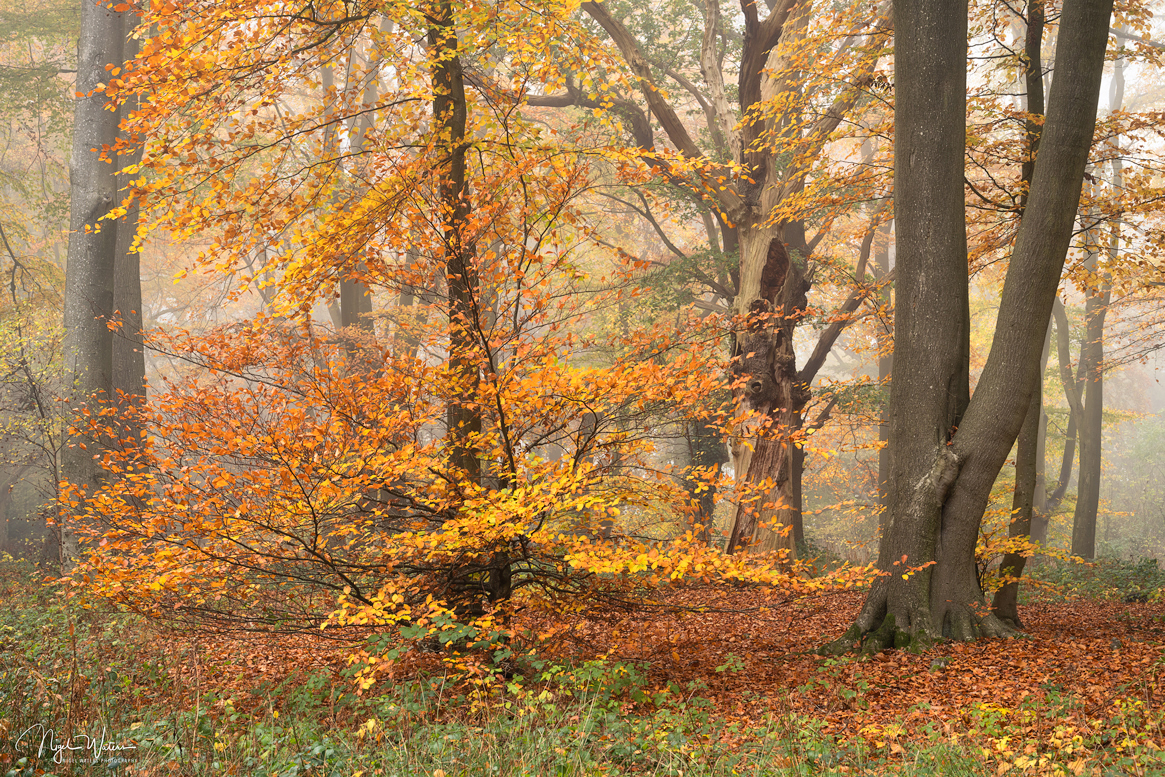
(93, 266)
(943, 477)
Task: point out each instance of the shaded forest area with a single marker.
(676, 387)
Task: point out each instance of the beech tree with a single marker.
(757, 185)
(102, 283)
(948, 447)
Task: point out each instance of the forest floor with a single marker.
(733, 689)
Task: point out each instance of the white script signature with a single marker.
(83, 742)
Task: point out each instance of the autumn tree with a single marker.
(36, 100)
(278, 488)
(948, 447)
(102, 285)
(755, 171)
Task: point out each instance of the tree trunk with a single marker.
(355, 296)
(92, 260)
(797, 508)
(885, 367)
(129, 357)
(1091, 429)
(1092, 360)
(942, 477)
(767, 363)
(929, 392)
(706, 456)
(1028, 457)
(1005, 604)
(450, 113)
(1074, 398)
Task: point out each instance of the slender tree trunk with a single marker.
(1028, 487)
(885, 367)
(706, 455)
(6, 485)
(1027, 458)
(129, 357)
(355, 296)
(1092, 361)
(1074, 397)
(450, 114)
(798, 506)
(1091, 429)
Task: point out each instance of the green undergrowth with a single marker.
(83, 674)
(1107, 578)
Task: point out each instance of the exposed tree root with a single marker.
(961, 623)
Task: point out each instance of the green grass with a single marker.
(1109, 578)
(81, 672)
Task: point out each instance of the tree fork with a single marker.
(930, 68)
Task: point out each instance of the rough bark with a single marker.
(942, 476)
(766, 361)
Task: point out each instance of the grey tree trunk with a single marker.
(92, 265)
(1074, 398)
(355, 296)
(129, 357)
(1091, 428)
(1092, 362)
(942, 476)
(930, 389)
(1028, 502)
(1028, 458)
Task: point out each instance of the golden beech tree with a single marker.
(473, 439)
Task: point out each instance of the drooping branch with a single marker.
(728, 200)
(819, 133)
